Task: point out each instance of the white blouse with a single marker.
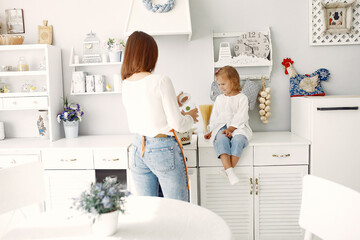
(152, 108)
(231, 111)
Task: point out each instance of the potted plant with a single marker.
(103, 201)
(71, 116)
(115, 46)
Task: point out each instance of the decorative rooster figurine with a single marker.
(305, 85)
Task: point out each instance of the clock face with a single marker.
(252, 44)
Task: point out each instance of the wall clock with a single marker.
(252, 44)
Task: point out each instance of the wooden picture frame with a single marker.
(15, 21)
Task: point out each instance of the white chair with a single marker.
(329, 210)
(21, 186)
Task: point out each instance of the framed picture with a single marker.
(337, 17)
(334, 22)
(15, 21)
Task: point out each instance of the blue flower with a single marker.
(106, 202)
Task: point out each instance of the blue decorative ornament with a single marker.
(305, 85)
(159, 8)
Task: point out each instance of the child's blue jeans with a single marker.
(230, 146)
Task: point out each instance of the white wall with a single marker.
(189, 64)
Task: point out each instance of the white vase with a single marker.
(115, 56)
(42, 123)
(71, 129)
(106, 224)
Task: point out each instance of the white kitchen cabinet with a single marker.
(190, 152)
(11, 158)
(331, 123)
(233, 203)
(72, 164)
(30, 91)
(265, 204)
(63, 185)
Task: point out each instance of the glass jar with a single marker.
(22, 64)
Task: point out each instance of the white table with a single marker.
(146, 218)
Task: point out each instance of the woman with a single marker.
(153, 114)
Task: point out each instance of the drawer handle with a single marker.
(35, 102)
(70, 160)
(281, 155)
(251, 186)
(13, 161)
(14, 102)
(256, 186)
(108, 160)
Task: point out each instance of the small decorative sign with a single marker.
(15, 21)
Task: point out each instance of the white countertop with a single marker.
(264, 138)
(87, 141)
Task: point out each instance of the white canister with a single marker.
(76, 59)
(99, 83)
(104, 57)
(2, 131)
(90, 83)
(117, 82)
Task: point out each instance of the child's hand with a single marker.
(208, 135)
(228, 132)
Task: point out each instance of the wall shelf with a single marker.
(95, 93)
(254, 64)
(22, 73)
(24, 94)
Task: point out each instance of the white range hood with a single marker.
(175, 22)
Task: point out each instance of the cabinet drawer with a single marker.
(25, 103)
(191, 157)
(110, 158)
(13, 160)
(208, 158)
(70, 158)
(1, 103)
(281, 155)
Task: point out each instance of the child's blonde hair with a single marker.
(231, 74)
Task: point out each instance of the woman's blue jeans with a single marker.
(161, 163)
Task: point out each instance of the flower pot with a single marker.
(43, 124)
(71, 129)
(106, 224)
(115, 56)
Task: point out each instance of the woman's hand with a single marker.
(208, 135)
(182, 100)
(194, 113)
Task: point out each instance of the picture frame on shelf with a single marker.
(15, 21)
(338, 17)
(334, 22)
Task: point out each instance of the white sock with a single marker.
(233, 179)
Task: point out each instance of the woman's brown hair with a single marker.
(231, 74)
(141, 53)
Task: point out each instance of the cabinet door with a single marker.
(63, 185)
(277, 202)
(233, 203)
(193, 184)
